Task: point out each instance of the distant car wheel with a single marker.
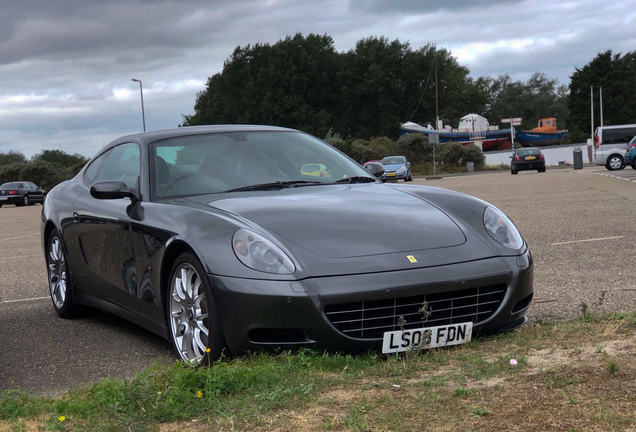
(614, 162)
(634, 164)
(193, 318)
(513, 170)
(43, 198)
(58, 277)
(25, 200)
(0, 205)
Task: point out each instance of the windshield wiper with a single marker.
(357, 179)
(277, 185)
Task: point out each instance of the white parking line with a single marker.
(23, 300)
(24, 236)
(586, 240)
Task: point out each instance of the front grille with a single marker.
(370, 319)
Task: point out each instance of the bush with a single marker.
(455, 154)
(472, 153)
(46, 175)
(360, 151)
(415, 147)
(11, 172)
(335, 139)
(382, 147)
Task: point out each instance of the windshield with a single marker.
(219, 162)
(393, 160)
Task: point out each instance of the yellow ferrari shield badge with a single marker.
(411, 258)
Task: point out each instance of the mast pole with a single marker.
(436, 100)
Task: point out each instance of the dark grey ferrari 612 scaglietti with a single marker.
(216, 237)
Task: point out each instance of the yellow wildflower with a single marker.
(199, 393)
(62, 418)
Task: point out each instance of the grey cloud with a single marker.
(423, 6)
(77, 52)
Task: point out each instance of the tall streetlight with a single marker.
(141, 91)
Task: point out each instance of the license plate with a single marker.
(391, 175)
(531, 157)
(428, 337)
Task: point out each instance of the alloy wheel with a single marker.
(57, 272)
(189, 314)
(26, 200)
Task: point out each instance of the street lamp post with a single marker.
(141, 91)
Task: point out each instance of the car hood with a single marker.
(339, 221)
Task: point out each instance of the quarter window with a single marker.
(92, 169)
(122, 164)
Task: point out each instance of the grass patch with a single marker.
(560, 369)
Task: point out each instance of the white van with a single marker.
(610, 143)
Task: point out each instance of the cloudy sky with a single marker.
(66, 65)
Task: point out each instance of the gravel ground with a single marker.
(558, 212)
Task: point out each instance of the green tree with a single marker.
(12, 157)
(539, 97)
(616, 74)
(290, 83)
(59, 157)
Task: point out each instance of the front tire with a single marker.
(614, 162)
(58, 277)
(193, 319)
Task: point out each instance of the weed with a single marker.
(480, 412)
(612, 367)
(461, 392)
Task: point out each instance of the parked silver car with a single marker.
(610, 144)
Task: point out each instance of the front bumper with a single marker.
(397, 176)
(259, 314)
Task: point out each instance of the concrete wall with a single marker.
(553, 155)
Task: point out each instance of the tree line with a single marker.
(303, 82)
(46, 169)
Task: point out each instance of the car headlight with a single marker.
(501, 228)
(401, 170)
(259, 253)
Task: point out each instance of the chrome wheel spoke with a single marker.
(189, 314)
(57, 272)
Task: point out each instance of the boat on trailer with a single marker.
(472, 128)
(544, 134)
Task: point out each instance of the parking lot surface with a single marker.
(578, 225)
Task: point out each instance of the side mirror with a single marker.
(375, 168)
(112, 190)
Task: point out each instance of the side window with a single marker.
(122, 164)
(92, 169)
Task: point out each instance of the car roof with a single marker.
(151, 136)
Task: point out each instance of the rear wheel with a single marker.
(634, 163)
(513, 170)
(193, 318)
(58, 276)
(614, 162)
(25, 200)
